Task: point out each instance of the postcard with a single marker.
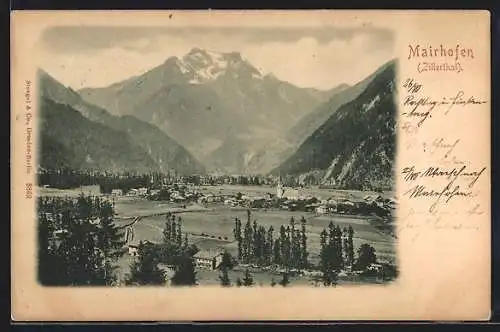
(250, 165)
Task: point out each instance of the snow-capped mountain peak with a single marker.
(204, 66)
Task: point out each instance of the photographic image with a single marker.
(216, 156)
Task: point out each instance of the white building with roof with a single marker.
(208, 259)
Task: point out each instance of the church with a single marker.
(289, 193)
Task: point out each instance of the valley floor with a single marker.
(216, 221)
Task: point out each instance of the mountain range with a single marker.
(210, 111)
(355, 147)
(277, 151)
(217, 105)
(136, 145)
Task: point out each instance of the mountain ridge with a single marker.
(167, 154)
(355, 147)
(205, 98)
(70, 140)
(278, 151)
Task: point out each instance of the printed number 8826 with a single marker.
(29, 190)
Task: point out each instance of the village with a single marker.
(284, 198)
(205, 202)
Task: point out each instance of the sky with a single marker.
(321, 58)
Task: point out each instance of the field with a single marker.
(220, 222)
(216, 223)
(312, 191)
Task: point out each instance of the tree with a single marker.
(108, 238)
(285, 281)
(255, 240)
(337, 249)
(179, 232)
(285, 245)
(324, 259)
(237, 236)
(330, 278)
(248, 236)
(351, 243)
(261, 245)
(296, 250)
(145, 271)
(269, 245)
(350, 246)
(247, 279)
(185, 244)
(167, 232)
(388, 272)
(185, 274)
(276, 252)
(366, 257)
(227, 261)
(327, 266)
(303, 238)
(224, 278)
(173, 230)
(78, 243)
(51, 268)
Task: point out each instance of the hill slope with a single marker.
(206, 99)
(355, 147)
(163, 150)
(282, 148)
(68, 139)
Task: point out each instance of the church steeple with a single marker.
(279, 188)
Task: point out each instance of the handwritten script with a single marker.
(419, 107)
(444, 191)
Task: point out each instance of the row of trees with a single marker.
(247, 280)
(78, 243)
(257, 245)
(174, 251)
(337, 253)
(66, 178)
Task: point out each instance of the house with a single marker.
(311, 207)
(208, 259)
(292, 194)
(133, 250)
(117, 192)
(179, 198)
(375, 267)
(132, 192)
(168, 271)
(332, 202)
(280, 190)
(348, 203)
(93, 190)
(230, 202)
(322, 209)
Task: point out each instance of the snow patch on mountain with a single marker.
(203, 66)
(371, 104)
(257, 76)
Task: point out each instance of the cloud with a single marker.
(306, 58)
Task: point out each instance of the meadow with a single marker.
(216, 222)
